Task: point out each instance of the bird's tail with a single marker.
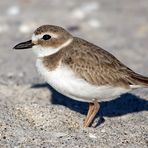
(139, 79)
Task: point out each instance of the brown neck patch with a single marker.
(52, 61)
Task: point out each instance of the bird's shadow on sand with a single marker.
(127, 103)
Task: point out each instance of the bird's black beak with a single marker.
(24, 45)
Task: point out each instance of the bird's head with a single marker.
(47, 40)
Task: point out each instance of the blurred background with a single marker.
(121, 27)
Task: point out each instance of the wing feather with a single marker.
(96, 65)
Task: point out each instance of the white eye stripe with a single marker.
(37, 37)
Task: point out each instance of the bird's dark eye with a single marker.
(46, 37)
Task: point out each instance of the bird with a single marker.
(79, 69)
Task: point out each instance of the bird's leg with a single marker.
(93, 109)
(90, 110)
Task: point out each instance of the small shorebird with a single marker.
(79, 69)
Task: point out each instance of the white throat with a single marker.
(46, 51)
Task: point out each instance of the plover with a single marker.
(79, 69)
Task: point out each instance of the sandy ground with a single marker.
(32, 114)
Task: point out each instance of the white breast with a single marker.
(64, 80)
